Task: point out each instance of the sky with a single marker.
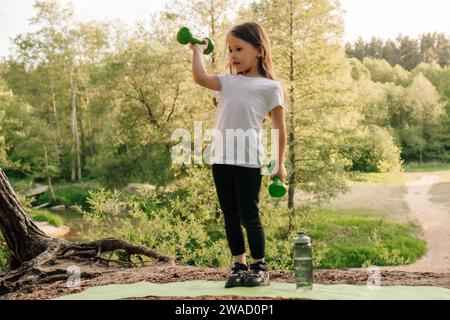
(366, 18)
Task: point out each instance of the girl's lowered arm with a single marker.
(278, 122)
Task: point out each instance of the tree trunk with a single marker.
(76, 140)
(91, 137)
(83, 144)
(89, 129)
(22, 236)
(292, 142)
(37, 259)
(59, 139)
(48, 174)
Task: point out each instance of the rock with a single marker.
(39, 189)
(42, 205)
(51, 230)
(73, 207)
(58, 208)
(123, 207)
(134, 187)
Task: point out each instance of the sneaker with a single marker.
(258, 275)
(238, 275)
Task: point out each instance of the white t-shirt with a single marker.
(238, 134)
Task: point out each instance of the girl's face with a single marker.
(243, 56)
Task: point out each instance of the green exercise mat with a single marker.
(276, 289)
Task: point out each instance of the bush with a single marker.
(45, 216)
(372, 150)
(4, 253)
(183, 225)
(67, 195)
(179, 223)
(360, 241)
(136, 163)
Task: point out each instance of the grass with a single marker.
(382, 200)
(20, 185)
(46, 216)
(377, 178)
(426, 167)
(341, 239)
(348, 240)
(66, 195)
(440, 193)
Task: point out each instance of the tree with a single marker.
(2, 139)
(360, 49)
(372, 149)
(391, 53)
(36, 258)
(309, 59)
(359, 71)
(409, 52)
(426, 107)
(428, 47)
(149, 97)
(439, 143)
(443, 50)
(375, 48)
(380, 70)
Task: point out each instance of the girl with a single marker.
(248, 94)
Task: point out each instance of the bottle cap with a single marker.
(302, 238)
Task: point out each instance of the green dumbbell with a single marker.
(185, 36)
(277, 189)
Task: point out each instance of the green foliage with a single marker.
(318, 88)
(357, 241)
(426, 167)
(404, 51)
(176, 229)
(25, 136)
(378, 178)
(182, 224)
(2, 140)
(380, 70)
(46, 216)
(359, 71)
(66, 195)
(149, 164)
(372, 150)
(134, 88)
(19, 185)
(4, 252)
(413, 142)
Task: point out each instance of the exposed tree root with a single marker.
(51, 265)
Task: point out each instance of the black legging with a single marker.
(238, 192)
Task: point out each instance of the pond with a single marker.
(74, 220)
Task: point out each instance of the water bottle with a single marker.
(303, 264)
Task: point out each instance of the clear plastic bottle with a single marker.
(303, 264)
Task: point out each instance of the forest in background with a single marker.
(99, 101)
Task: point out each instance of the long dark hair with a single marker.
(254, 34)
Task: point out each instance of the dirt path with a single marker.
(435, 221)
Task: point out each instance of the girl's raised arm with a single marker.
(211, 82)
